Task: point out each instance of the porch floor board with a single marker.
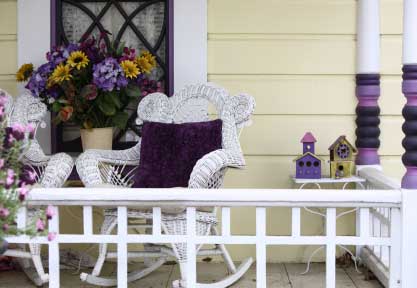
(278, 276)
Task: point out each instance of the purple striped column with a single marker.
(367, 120)
(409, 127)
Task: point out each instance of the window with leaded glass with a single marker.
(140, 24)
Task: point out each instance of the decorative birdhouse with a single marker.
(341, 158)
(308, 165)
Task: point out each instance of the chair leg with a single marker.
(225, 254)
(35, 251)
(107, 227)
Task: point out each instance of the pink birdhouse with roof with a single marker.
(308, 165)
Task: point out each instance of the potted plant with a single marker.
(91, 85)
(15, 179)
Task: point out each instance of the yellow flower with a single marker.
(24, 72)
(130, 68)
(146, 62)
(60, 74)
(78, 59)
(151, 59)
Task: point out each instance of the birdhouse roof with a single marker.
(308, 138)
(340, 139)
(308, 153)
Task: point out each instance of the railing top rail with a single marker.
(378, 179)
(215, 197)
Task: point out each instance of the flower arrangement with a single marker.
(89, 84)
(15, 179)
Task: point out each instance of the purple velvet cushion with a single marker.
(170, 151)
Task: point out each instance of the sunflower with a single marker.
(130, 68)
(60, 74)
(144, 64)
(78, 59)
(24, 72)
(148, 56)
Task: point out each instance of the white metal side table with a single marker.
(318, 183)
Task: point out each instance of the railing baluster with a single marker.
(122, 247)
(191, 248)
(88, 220)
(260, 248)
(331, 248)
(21, 218)
(54, 272)
(395, 249)
(226, 221)
(156, 223)
(296, 222)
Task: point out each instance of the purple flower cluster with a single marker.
(150, 86)
(108, 75)
(37, 83)
(59, 54)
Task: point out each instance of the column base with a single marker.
(367, 156)
(409, 180)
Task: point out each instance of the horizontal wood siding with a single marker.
(297, 58)
(8, 45)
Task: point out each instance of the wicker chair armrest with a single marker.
(209, 165)
(88, 163)
(57, 170)
(35, 156)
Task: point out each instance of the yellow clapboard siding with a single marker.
(274, 171)
(8, 17)
(295, 17)
(8, 52)
(280, 134)
(8, 84)
(329, 55)
(309, 94)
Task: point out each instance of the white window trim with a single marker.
(190, 43)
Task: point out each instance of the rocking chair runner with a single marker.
(99, 167)
(51, 171)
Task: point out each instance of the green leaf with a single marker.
(120, 120)
(114, 98)
(107, 108)
(56, 106)
(133, 91)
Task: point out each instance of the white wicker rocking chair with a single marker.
(98, 167)
(51, 171)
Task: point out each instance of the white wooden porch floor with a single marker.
(279, 276)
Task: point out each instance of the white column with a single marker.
(410, 32)
(190, 42)
(33, 41)
(368, 42)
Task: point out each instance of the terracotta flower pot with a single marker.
(97, 138)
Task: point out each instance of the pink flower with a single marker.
(18, 131)
(5, 227)
(30, 128)
(3, 99)
(51, 236)
(4, 212)
(50, 212)
(40, 225)
(1, 163)
(2, 112)
(10, 178)
(23, 192)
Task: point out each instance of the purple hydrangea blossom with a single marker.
(37, 83)
(59, 54)
(109, 75)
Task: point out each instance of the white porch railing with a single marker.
(377, 258)
(365, 200)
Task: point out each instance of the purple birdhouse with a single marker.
(308, 165)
